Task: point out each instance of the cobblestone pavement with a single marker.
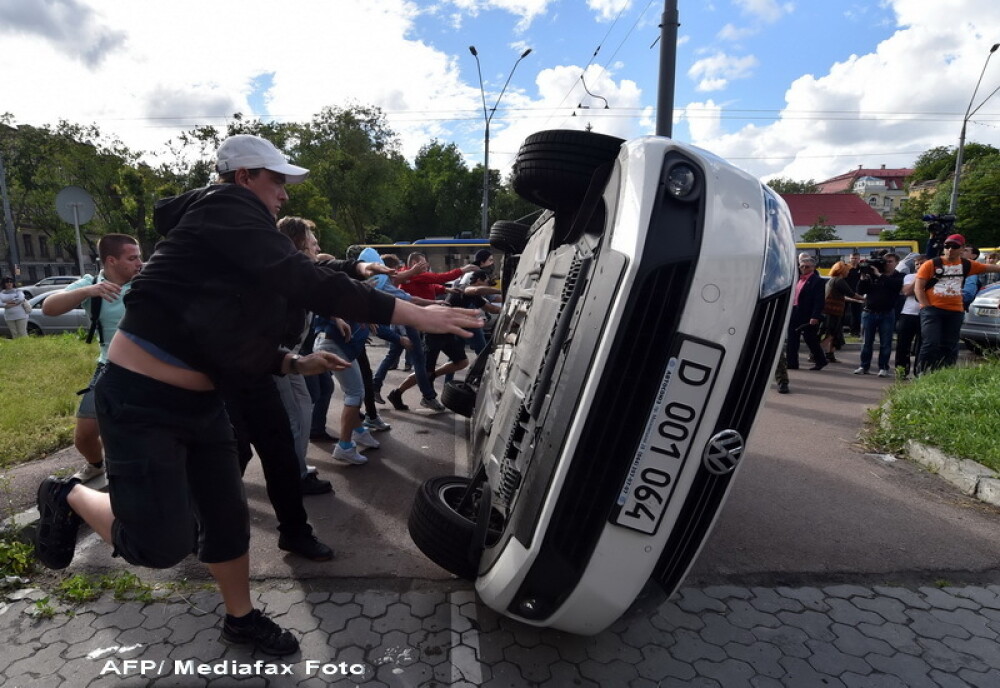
(842, 635)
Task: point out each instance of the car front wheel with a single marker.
(442, 524)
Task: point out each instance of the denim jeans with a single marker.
(321, 392)
(939, 333)
(884, 324)
(419, 364)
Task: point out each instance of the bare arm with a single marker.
(436, 319)
(65, 301)
(920, 291)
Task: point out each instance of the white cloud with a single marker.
(559, 94)
(731, 32)
(527, 10)
(716, 71)
(67, 25)
(928, 67)
(609, 9)
(766, 10)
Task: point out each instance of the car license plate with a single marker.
(987, 312)
(666, 441)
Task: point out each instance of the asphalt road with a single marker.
(808, 506)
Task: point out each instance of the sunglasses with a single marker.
(952, 245)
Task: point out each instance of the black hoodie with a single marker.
(218, 290)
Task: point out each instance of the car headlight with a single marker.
(682, 182)
(779, 252)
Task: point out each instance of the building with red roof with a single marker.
(882, 189)
(851, 217)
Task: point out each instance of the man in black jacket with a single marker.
(807, 310)
(881, 285)
(208, 311)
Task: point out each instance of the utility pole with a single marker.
(8, 221)
(668, 67)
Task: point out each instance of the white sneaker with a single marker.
(88, 472)
(860, 371)
(351, 455)
(883, 372)
(365, 439)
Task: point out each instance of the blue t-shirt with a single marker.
(111, 312)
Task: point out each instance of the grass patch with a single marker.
(954, 410)
(41, 376)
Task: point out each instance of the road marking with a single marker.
(464, 654)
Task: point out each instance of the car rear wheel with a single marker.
(442, 524)
(34, 330)
(509, 237)
(553, 168)
(459, 397)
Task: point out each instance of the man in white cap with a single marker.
(207, 311)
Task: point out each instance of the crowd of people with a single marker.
(225, 342)
(233, 338)
(918, 307)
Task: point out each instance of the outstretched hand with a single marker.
(320, 362)
(437, 319)
(367, 270)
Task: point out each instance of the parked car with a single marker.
(42, 286)
(643, 314)
(39, 323)
(981, 327)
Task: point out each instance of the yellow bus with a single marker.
(827, 253)
(444, 254)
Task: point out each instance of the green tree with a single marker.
(354, 161)
(909, 221)
(784, 185)
(979, 201)
(820, 231)
(441, 196)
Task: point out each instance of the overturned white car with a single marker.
(638, 336)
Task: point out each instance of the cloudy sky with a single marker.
(796, 89)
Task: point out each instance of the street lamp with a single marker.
(961, 140)
(487, 117)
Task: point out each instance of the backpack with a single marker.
(95, 319)
(939, 267)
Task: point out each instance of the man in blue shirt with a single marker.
(121, 260)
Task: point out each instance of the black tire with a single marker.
(553, 168)
(34, 330)
(439, 531)
(509, 237)
(459, 397)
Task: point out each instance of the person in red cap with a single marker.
(938, 289)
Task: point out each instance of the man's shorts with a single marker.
(86, 409)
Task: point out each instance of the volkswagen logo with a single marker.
(723, 452)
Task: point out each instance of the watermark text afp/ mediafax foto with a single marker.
(190, 667)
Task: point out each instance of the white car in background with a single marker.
(47, 284)
(638, 336)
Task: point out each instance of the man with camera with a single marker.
(938, 289)
(881, 286)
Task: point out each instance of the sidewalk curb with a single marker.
(973, 479)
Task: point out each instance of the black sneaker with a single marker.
(379, 399)
(305, 546)
(312, 485)
(58, 524)
(395, 398)
(258, 630)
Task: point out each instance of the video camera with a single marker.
(940, 226)
(874, 264)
